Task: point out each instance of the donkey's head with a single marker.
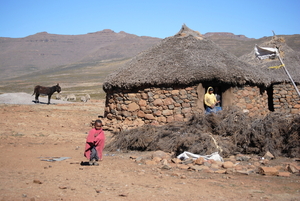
(57, 88)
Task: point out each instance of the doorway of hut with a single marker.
(223, 94)
(270, 94)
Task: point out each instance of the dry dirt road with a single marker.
(32, 134)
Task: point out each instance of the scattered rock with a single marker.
(133, 157)
(220, 171)
(196, 167)
(183, 166)
(268, 156)
(292, 168)
(36, 181)
(188, 161)
(175, 174)
(176, 160)
(241, 157)
(199, 161)
(166, 167)
(156, 159)
(214, 166)
(268, 171)
(150, 162)
(284, 174)
(139, 159)
(207, 164)
(182, 177)
(161, 154)
(265, 161)
(243, 172)
(227, 164)
(164, 162)
(230, 171)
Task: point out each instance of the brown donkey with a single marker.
(45, 91)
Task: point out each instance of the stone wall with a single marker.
(251, 100)
(156, 106)
(159, 106)
(286, 98)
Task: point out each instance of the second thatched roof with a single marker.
(183, 59)
(290, 58)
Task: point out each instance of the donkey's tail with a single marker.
(34, 90)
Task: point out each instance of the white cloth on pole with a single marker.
(265, 52)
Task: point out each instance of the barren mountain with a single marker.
(240, 45)
(45, 53)
(21, 56)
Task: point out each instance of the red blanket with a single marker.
(96, 138)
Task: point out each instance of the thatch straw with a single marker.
(183, 59)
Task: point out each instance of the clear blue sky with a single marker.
(155, 18)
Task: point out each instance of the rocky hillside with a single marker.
(21, 56)
(240, 44)
(44, 52)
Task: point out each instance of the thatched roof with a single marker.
(290, 58)
(183, 59)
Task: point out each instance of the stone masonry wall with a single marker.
(156, 106)
(251, 100)
(159, 106)
(286, 98)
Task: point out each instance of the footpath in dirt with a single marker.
(42, 150)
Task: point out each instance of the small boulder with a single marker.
(227, 164)
(268, 171)
(199, 161)
(269, 156)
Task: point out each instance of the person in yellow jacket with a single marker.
(210, 101)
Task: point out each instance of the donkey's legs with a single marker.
(49, 97)
(37, 98)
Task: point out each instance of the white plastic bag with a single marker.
(215, 156)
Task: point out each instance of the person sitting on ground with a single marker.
(95, 142)
(210, 101)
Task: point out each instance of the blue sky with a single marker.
(155, 18)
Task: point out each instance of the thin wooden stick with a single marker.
(288, 75)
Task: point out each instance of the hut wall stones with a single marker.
(151, 105)
(159, 106)
(286, 99)
(251, 99)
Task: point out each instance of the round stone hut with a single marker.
(168, 82)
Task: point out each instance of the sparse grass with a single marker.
(78, 79)
(17, 135)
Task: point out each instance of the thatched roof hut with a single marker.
(184, 59)
(290, 58)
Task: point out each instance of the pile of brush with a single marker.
(229, 132)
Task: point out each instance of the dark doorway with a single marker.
(270, 98)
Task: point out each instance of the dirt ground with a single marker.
(31, 134)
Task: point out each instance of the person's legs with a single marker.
(208, 110)
(94, 157)
(218, 109)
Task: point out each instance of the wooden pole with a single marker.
(288, 75)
